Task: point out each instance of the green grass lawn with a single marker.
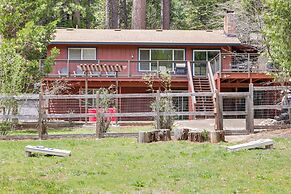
(123, 166)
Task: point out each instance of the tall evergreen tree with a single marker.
(139, 14)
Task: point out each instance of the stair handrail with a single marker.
(191, 84)
(211, 77)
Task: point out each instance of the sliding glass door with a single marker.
(200, 58)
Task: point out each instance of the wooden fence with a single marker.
(43, 102)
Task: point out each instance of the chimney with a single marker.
(230, 24)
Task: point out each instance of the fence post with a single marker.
(41, 118)
(218, 111)
(158, 119)
(98, 132)
(250, 109)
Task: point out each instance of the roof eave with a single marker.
(145, 43)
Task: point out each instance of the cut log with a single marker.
(266, 143)
(196, 136)
(216, 136)
(181, 134)
(154, 136)
(164, 135)
(144, 137)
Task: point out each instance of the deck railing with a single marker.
(245, 63)
(131, 68)
(222, 63)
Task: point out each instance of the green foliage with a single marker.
(104, 103)
(5, 127)
(163, 104)
(196, 14)
(49, 61)
(24, 43)
(278, 32)
(13, 69)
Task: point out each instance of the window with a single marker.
(82, 53)
(204, 55)
(164, 57)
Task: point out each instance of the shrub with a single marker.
(5, 127)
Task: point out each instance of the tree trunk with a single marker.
(88, 14)
(138, 14)
(123, 14)
(165, 14)
(112, 16)
(77, 16)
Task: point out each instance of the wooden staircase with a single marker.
(203, 103)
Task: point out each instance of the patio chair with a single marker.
(63, 72)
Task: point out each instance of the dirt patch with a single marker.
(283, 133)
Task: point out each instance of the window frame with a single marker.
(82, 51)
(203, 50)
(150, 57)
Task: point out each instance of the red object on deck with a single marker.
(94, 111)
(112, 110)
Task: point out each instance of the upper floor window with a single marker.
(82, 53)
(165, 57)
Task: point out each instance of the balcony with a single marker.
(221, 63)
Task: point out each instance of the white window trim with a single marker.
(150, 49)
(82, 50)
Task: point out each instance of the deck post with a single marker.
(250, 110)
(68, 68)
(129, 68)
(249, 66)
(218, 111)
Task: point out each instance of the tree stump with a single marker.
(181, 134)
(196, 136)
(154, 136)
(144, 137)
(164, 135)
(216, 136)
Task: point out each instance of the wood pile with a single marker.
(199, 136)
(181, 134)
(154, 136)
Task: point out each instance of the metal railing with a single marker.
(245, 63)
(132, 68)
(221, 63)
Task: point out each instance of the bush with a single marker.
(5, 127)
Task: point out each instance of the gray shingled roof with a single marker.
(149, 37)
